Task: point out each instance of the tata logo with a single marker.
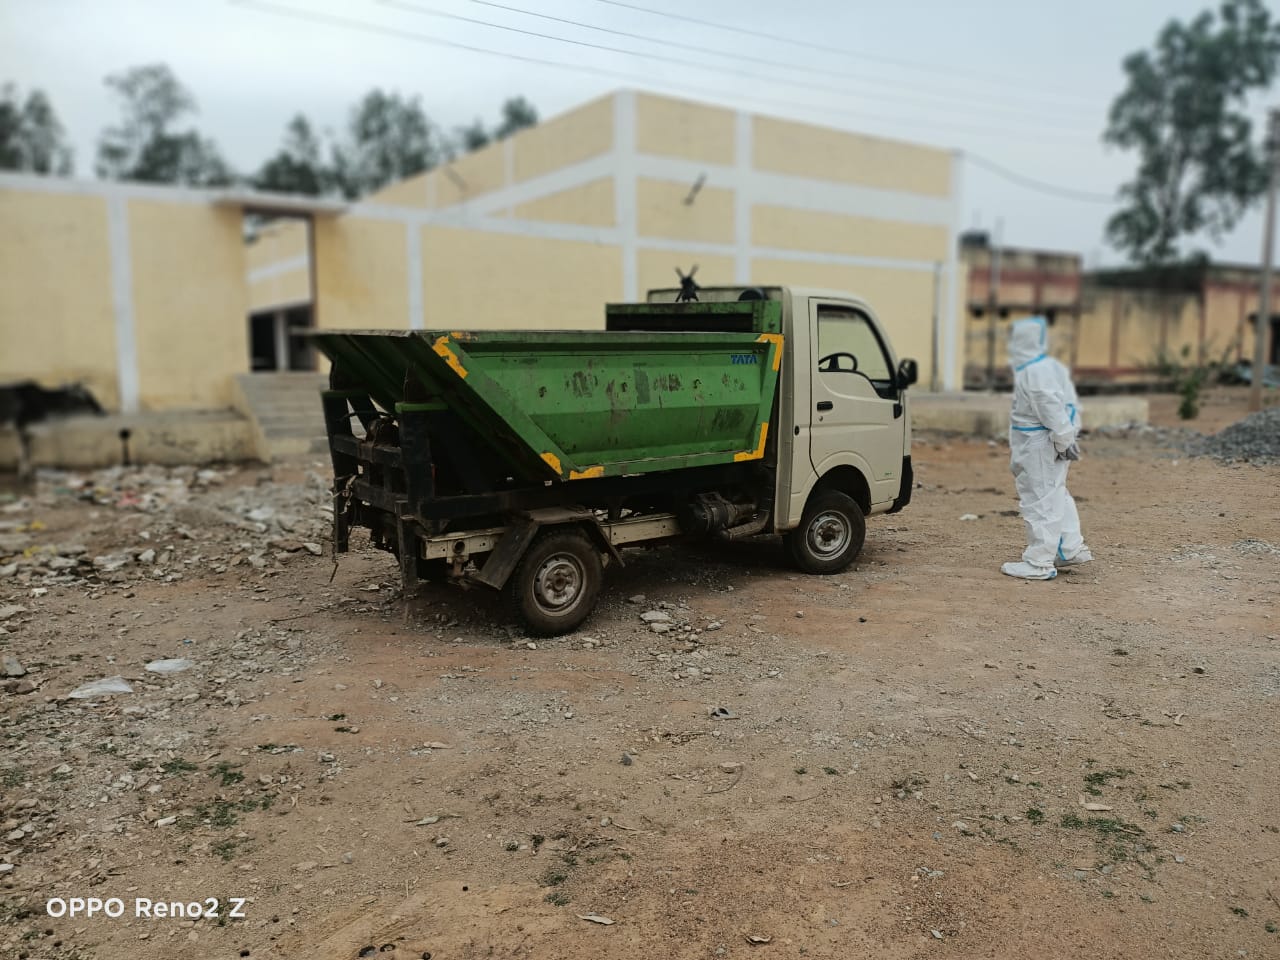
(740, 358)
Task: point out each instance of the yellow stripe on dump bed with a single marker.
(777, 340)
(758, 452)
(441, 346)
(587, 474)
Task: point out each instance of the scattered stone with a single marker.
(627, 760)
(660, 627)
(306, 866)
(731, 766)
(25, 686)
(969, 516)
(147, 556)
(166, 821)
(12, 668)
(1178, 828)
(6, 868)
(10, 610)
(638, 598)
(655, 616)
(961, 826)
(313, 548)
(13, 836)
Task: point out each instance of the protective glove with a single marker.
(1072, 452)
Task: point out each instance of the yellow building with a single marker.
(602, 203)
(1192, 314)
(152, 298)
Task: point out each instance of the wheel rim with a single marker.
(828, 535)
(557, 587)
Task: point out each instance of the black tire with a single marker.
(830, 535)
(555, 586)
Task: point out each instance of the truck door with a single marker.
(857, 415)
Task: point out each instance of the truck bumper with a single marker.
(908, 484)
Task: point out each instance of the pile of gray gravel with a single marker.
(1256, 438)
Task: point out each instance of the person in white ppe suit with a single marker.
(1044, 425)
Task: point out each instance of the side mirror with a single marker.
(908, 373)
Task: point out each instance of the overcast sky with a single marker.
(1023, 85)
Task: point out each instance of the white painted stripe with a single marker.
(122, 302)
(839, 259)
(413, 264)
(279, 268)
(34, 183)
(565, 178)
(953, 317)
(777, 253)
(743, 153)
(624, 187)
(271, 308)
(801, 193)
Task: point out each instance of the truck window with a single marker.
(845, 333)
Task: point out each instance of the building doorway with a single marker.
(277, 341)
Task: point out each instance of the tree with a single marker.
(389, 138)
(1182, 111)
(298, 167)
(517, 113)
(145, 146)
(31, 137)
(473, 137)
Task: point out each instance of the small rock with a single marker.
(13, 836)
(313, 548)
(655, 616)
(969, 516)
(937, 934)
(11, 610)
(961, 826)
(660, 627)
(731, 766)
(12, 668)
(1178, 828)
(627, 760)
(1179, 858)
(25, 686)
(1199, 670)
(6, 868)
(638, 598)
(442, 842)
(348, 858)
(306, 866)
(166, 821)
(147, 556)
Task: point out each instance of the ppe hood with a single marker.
(1028, 341)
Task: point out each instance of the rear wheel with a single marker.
(555, 586)
(830, 535)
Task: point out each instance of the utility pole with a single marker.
(993, 302)
(1261, 333)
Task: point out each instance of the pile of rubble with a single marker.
(160, 522)
(1256, 439)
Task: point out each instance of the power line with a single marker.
(737, 56)
(361, 26)
(781, 38)
(682, 61)
(1038, 185)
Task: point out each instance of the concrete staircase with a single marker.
(286, 413)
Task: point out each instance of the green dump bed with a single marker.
(571, 405)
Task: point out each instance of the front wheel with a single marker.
(830, 534)
(555, 586)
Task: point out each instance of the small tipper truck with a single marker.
(524, 461)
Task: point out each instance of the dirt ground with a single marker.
(905, 774)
